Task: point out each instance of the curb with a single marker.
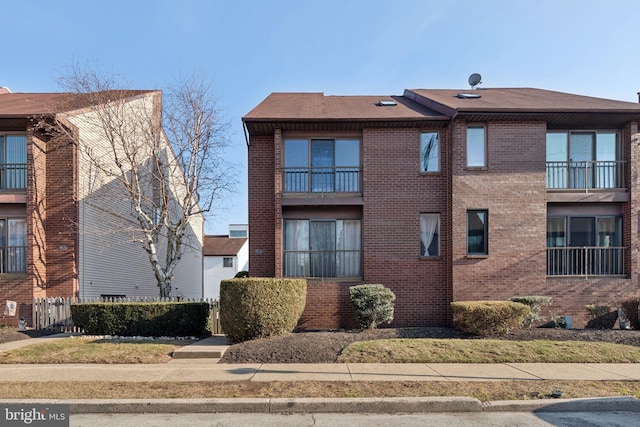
(333, 405)
(604, 404)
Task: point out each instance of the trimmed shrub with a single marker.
(256, 307)
(630, 307)
(176, 319)
(373, 304)
(488, 317)
(535, 304)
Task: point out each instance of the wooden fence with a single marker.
(54, 314)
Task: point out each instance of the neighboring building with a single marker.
(446, 195)
(65, 231)
(224, 256)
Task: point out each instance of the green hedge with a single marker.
(488, 317)
(256, 307)
(176, 319)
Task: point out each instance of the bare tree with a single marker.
(163, 155)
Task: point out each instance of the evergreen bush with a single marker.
(257, 307)
(373, 304)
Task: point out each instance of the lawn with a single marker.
(426, 350)
(92, 350)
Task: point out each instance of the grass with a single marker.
(484, 391)
(426, 350)
(91, 350)
(86, 350)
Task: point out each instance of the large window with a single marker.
(429, 152)
(13, 162)
(429, 235)
(322, 248)
(13, 245)
(477, 232)
(583, 160)
(321, 165)
(476, 147)
(584, 245)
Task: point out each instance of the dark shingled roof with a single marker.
(521, 100)
(317, 106)
(32, 104)
(222, 245)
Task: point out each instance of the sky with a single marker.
(247, 49)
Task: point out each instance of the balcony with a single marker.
(321, 180)
(329, 263)
(13, 259)
(585, 261)
(584, 176)
(13, 177)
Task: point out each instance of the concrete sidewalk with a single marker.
(196, 363)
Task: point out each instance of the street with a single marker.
(486, 419)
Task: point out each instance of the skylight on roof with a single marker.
(468, 95)
(387, 103)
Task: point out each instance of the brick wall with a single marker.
(512, 189)
(62, 218)
(262, 207)
(395, 194)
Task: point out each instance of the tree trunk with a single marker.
(165, 288)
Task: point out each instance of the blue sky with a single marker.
(250, 48)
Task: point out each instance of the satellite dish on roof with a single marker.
(474, 80)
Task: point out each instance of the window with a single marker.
(430, 235)
(476, 147)
(227, 262)
(13, 245)
(13, 162)
(322, 248)
(477, 232)
(321, 165)
(429, 152)
(583, 160)
(585, 245)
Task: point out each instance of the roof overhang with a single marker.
(266, 127)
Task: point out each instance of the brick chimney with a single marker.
(7, 90)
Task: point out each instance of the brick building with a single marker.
(446, 195)
(65, 229)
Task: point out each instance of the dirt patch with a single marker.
(13, 334)
(326, 346)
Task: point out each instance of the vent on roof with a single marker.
(387, 103)
(468, 95)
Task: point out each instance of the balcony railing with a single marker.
(338, 263)
(13, 177)
(585, 175)
(585, 261)
(13, 259)
(339, 179)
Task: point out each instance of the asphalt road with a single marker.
(498, 419)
